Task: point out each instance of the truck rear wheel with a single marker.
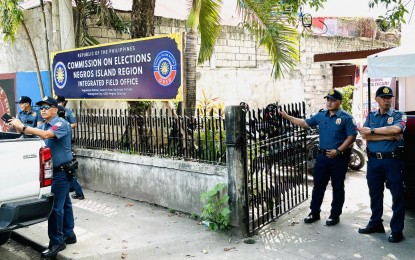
(4, 237)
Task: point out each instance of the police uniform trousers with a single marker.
(324, 170)
(76, 186)
(61, 220)
(379, 171)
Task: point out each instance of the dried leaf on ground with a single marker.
(293, 222)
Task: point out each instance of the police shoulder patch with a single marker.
(404, 118)
(58, 124)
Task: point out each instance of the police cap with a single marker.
(24, 99)
(384, 91)
(334, 94)
(47, 100)
(61, 111)
(60, 99)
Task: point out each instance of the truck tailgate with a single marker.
(19, 168)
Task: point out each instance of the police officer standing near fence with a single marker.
(69, 115)
(337, 131)
(383, 130)
(56, 132)
(27, 114)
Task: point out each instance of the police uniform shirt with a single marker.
(333, 129)
(69, 116)
(391, 117)
(30, 118)
(60, 145)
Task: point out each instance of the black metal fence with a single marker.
(276, 168)
(156, 133)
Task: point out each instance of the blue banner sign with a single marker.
(140, 69)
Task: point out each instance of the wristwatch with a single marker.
(372, 131)
(24, 128)
(339, 152)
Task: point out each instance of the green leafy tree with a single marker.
(11, 18)
(142, 25)
(271, 21)
(102, 13)
(347, 93)
(396, 10)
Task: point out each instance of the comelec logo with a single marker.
(60, 75)
(165, 68)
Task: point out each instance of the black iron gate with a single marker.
(275, 164)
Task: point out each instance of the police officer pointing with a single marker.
(56, 132)
(337, 131)
(27, 114)
(383, 130)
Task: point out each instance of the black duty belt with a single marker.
(58, 169)
(322, 151)
(383, 155)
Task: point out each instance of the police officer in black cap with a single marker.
(383, 130)
(68, 114)
(337, 132)
(56, 132)
(27, 114)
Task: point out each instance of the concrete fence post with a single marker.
(235, 129)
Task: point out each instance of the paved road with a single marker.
(15, 251)
(110, 227)
(317, 241)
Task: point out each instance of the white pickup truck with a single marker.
(25, 182)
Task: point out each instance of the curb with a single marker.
(27, 242)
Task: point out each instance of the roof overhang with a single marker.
(396, 62)
(347, 57)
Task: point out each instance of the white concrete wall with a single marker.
(174, 184)
(17, 57)
(238, 71)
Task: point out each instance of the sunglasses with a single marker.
(46, 107)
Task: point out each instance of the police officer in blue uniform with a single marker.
(383, 130)
(27, 114)
(337, 132)
(69, 115)
(56, 132)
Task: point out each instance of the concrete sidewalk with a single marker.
(110, 227)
